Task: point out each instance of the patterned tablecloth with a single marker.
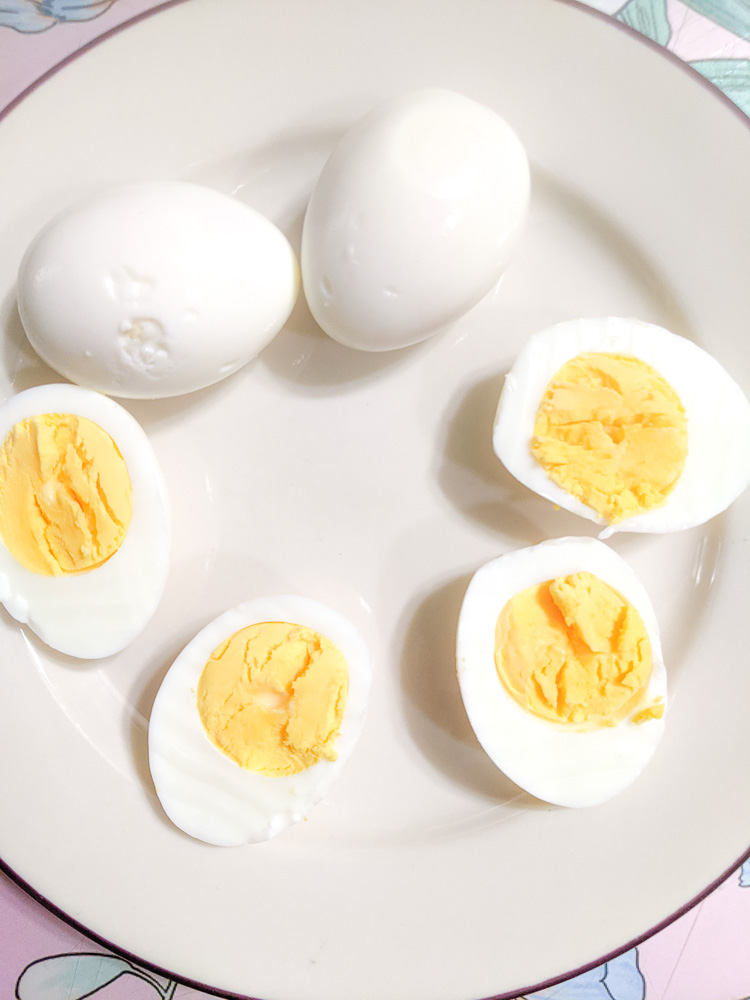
(704, 955)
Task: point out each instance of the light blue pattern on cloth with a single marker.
(80, 975)
(732, 76)
(619, 979)
(649, 17)
(33, 16)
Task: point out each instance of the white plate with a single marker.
(368, 481)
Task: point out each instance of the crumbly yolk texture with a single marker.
(611, 431)
(272, 697)
(572, 650)
(66, 500)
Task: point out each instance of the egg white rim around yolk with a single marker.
(204, 792)
(60, 609)
(564, 765)
(717, 468)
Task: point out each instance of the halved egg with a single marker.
(626, 424)
(84, 528)
(561, 670)
(256, 717)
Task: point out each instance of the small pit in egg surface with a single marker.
(155, 289)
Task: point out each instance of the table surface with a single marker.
(704, 955)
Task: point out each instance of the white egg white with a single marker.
(98, 612)
(717, 468)
(155, 289)
(203, 791)
(561, 763)
(413, 219)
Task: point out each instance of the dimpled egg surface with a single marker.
(561, 672)
(155, 289)
(256, 717)
(625, 424)
(413, 219)
(84, 525)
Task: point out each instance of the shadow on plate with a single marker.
(303, 354)
(157, 414)
(135, 722)
(680, 569)
(38, 648)
(24, 368)
(194, 597)
(586, 216)
(277, 178)
(434, 710)
(477, 484)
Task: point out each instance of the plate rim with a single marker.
(581, 5)
(514, 995)
(177, 978)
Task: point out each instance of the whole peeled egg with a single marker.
(155, 289)
(256, 717)
(413, 219)
(561, 671)
(84, 525)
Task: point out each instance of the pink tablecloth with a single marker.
(705, 955)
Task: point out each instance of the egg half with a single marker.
(413, 219)
(155, 289)
(561, 670)
(626, 424)
(84, 528)
(256, 717)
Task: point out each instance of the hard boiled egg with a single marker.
(561, 671)
(626, 424)
(256, 717)
(155, 289)
(84, 530)
(413, 219)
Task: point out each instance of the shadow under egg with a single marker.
(303, 354)
(556, 196)
(433, 707)
(39, 649)
(136, 721)
(478, 485)
(23, 367)
(679, 570)
(168, 411)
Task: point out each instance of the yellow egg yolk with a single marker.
(272, 697)
(573, 650)
(613, 433)
(654, 711)
(65, 494)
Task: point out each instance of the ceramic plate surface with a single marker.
(368, 482)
